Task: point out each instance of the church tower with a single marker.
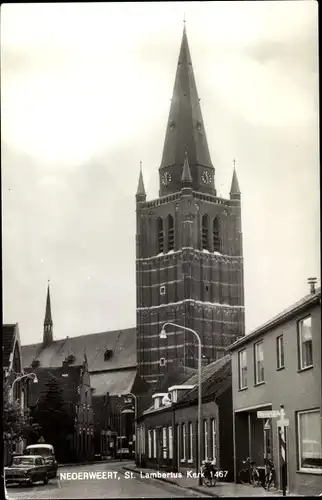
(189, 264)
(48, 322)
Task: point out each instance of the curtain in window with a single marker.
(310, 440)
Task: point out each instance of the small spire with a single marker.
(186, 179)
(48, 318)
(234, 189)
(140, 193)
(48, 322)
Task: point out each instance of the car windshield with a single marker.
(23, 461)
(44, 452)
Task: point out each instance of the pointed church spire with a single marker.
(48, 322)
(185, 131)
(140, 193)
(186, 179)
(234, 189)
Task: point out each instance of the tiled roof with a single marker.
(285, 315)
(175, 376)
(215, 377)
(115, 382)
(122, 343)
(8, 336)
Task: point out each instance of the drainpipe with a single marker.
(174, 440)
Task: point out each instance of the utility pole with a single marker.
(282, 424)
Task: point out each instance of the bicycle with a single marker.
(249, 474)
(270, 476)
(208, 471)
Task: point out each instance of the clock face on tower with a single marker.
(166, 178)
(206, 177)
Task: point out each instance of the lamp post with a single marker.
(135, 417)
(163, 335)
(27, 375)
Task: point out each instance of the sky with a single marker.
(85, 94)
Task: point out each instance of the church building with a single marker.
(189, 255)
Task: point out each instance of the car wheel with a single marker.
(46, 479)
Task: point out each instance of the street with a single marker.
(113, 483)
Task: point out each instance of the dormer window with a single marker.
(35, 363)
(70, 358)
(108, 354)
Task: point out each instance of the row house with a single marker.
(168, 431)
(280, 364)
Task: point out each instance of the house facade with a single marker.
(168, 432)
(12, 369)
(74, 383)
(280, 364)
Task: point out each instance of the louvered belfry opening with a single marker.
(160, 235)
(215, 235)
(170, 233)
(205, 232)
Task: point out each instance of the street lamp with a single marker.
(27, 375)
(135, 418)
(163, 335)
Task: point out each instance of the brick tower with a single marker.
(189, 264)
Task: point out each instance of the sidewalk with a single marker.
(221, 489)
(107, 461)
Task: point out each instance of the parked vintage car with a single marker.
(48, 453)
(26, 469)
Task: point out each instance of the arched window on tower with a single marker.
(160, 236)
(205, 232)
(170, 233)
(215, 235)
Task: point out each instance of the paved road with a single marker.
(116, 485)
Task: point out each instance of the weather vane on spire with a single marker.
(234, 162)
(184, 18)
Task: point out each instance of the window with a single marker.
(205, 435)
(242, 369)
(150, 444)
(160, 235)
(164, 442)
(215, 235)
(280, 351)
(305, 343)
(170, 233)
(162, 290)
(183, 442)
(178, 442)
(259, 362)
(205, 233)
(213, 438)
(170, 442)
(190, 439)
(162, 361)
(154, 443)
(309, 441)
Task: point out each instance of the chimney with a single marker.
(312, 282)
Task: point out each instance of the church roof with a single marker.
(185, 130)
(115, 382)
(119, 345)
